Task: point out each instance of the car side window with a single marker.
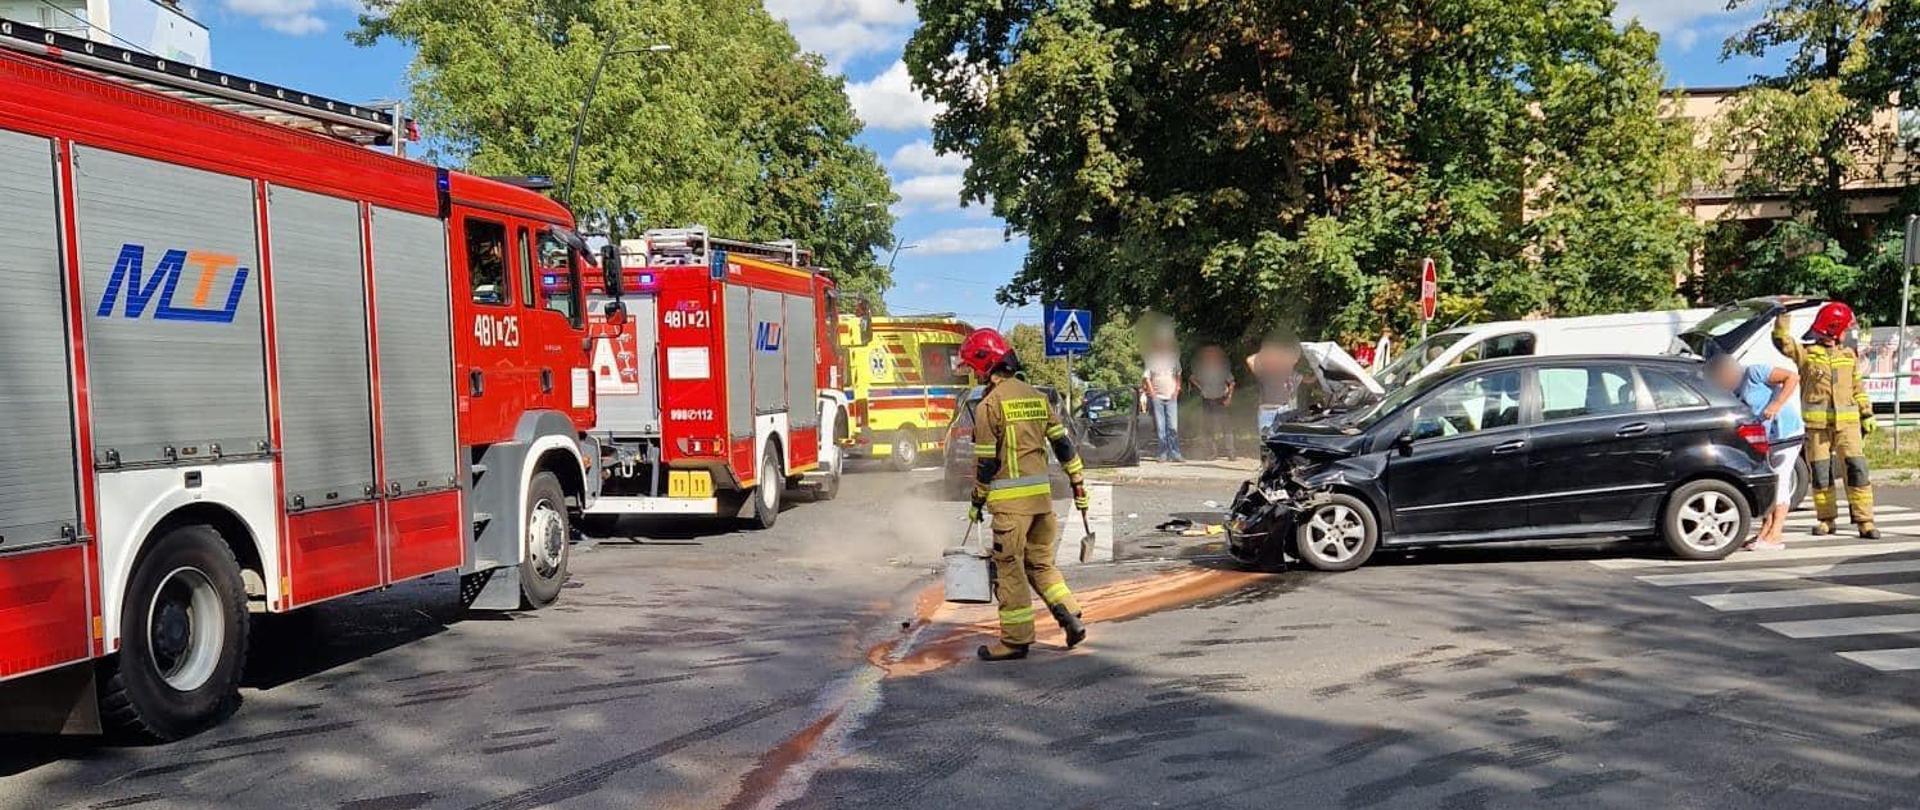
(1469, 405)
(1669, 392)
(1518, 344)
(1572, 392)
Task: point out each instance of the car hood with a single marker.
(1321, 440)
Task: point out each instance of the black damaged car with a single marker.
(1515, 449)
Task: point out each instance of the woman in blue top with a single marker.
(1770, 392)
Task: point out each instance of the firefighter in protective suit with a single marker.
(1013, 428)
(1833, 398)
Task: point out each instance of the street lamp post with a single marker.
(897, 247)
(593, 85)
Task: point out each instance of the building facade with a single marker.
(159, 27)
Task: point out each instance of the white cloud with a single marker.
(889, 101)
(1679, 21)
(920, 158)
(960, 240)
(293, 17)
(843, 29)
(929, 191)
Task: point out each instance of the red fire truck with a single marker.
(250, 368)
(723, 391)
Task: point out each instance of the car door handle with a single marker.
(1634, 429)
(1514, 446)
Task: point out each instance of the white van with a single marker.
(1745, 330)
(1626, 333)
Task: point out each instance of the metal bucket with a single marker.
(968, 578)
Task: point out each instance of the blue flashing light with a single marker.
(550, 280)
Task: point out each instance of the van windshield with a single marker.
(1418, 358)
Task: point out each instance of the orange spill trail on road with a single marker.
(957, 629)
(942, 635)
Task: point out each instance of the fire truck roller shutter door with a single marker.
(769, 346)
(169, 258)
(37, 494)
(415, 332)
(627, 407)
(739, 350)
(801, 392)
(319, 290)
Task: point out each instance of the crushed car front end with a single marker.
(1301, 463)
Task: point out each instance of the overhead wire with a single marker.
(89, 23)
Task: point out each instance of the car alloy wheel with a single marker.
(1709, 521)
(1336, 533)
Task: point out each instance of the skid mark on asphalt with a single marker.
(1437, 770)
(400, 801)
(271, 736)
(587, 780)
(1582, 784)
(130, 801)
(519, 746)
(1371, 741)
(187, 765)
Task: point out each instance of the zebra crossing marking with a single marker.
(1810, 597)
(1895, 660)
(1849, 626)
(1808, 551)
(1781, 574)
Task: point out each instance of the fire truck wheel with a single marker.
(906, 450)
(183, 633)
(771, 491)
(545, 568)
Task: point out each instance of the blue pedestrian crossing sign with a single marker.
(1069, 331)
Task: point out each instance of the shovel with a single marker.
(1086, 543)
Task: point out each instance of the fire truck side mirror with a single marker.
(616, 314)
(613, 276)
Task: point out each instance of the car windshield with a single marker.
(1418, 358)
(1722, 322)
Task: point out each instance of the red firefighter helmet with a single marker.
(985, 350)
(1832, 322)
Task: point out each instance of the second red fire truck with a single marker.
(248, 369)
(723, 391)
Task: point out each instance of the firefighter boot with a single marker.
(1070, 622)
(1860, 496)
(1001, 651)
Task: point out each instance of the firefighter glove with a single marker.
(1868, 425)
(973, 511)
(1080, 496)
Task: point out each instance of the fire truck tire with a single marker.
(906, 450)
(545, 570)
(183, 631)
(771, 491)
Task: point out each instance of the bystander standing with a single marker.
(1274, 371)
(1213, 378)
(1161, 378)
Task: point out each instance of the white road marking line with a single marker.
(1808, 597)
(1895, 660)
(1782, 573)
(1850, 626)
(1809, 552)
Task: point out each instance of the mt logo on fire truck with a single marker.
(129, 274)
(766, 336)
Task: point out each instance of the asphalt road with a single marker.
(811, 667)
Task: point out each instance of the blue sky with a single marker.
(961, 256)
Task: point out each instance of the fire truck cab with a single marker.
(723, 391)
(251, 365)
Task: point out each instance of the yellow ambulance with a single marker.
(903, 384)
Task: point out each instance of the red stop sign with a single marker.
(1429, 290)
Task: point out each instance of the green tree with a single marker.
(1253, 165)
(1113, 359)
(735, 128)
